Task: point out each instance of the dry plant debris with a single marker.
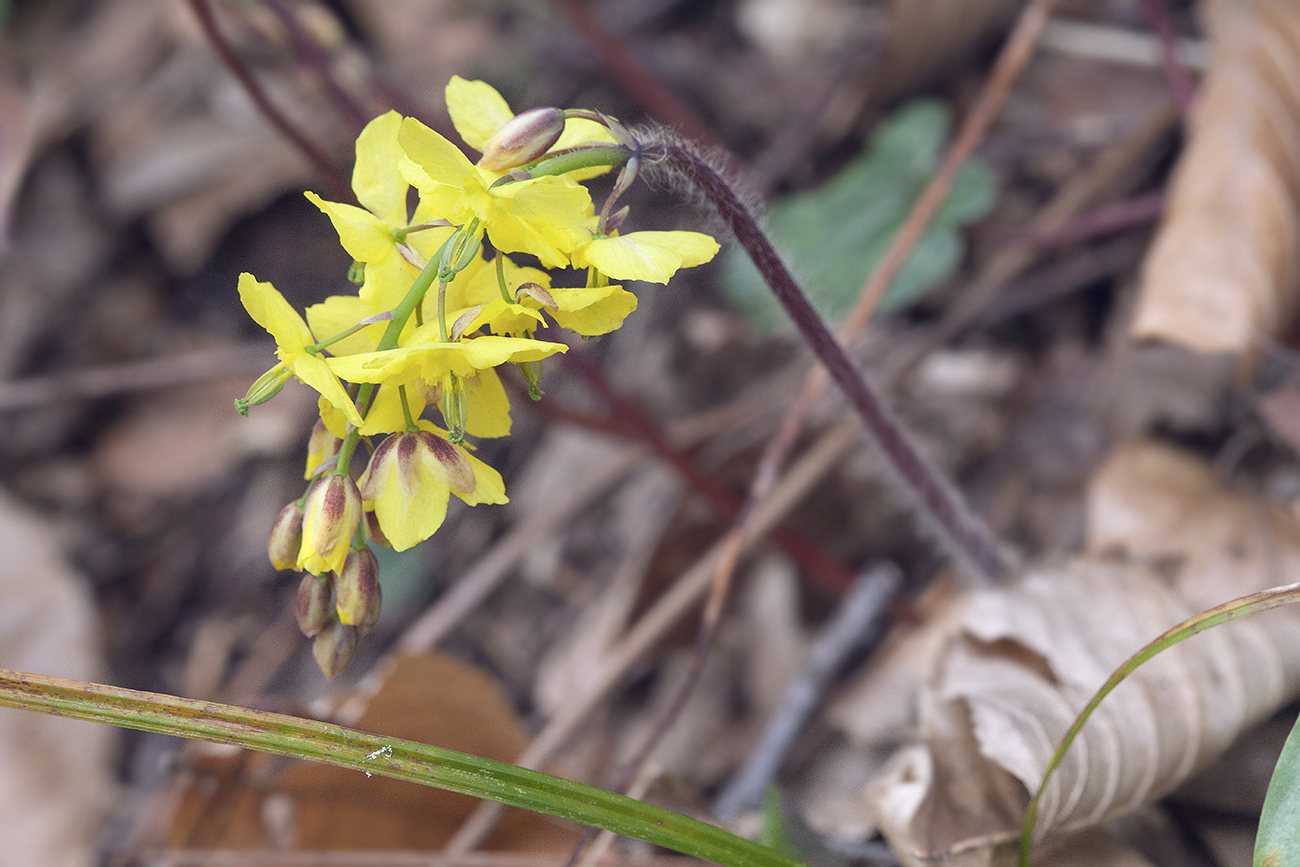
(137, 177)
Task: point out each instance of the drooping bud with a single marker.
(356, 591)
(285, 541)
(333, 647)
(322, 446)
(524, 138)
(313, 604)
(332, 515)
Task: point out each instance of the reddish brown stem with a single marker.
(618, 57)
(339, 188)
(629, 420)
(1181, 84)
(967, 539)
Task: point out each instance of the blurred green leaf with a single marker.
(832, 237)
(1278, 842)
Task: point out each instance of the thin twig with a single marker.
(334, 858)
(487, 573)
(858, 624)
(641, 84)
(832, 575)
(339, 188)
(134, 376)
(313, 56)
(1181, 84)
(670, 608)
(1106, 220)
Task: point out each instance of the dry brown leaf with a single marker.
(433, 699)
(1223, 269)
(1028, 657)
(55, 787)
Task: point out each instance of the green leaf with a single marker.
(1278, 842)
(835, 235)
(385, 756)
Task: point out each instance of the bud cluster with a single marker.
(434, 322)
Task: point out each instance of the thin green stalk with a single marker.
(1275, 597)
(389, 757)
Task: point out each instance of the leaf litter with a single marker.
(142, 172)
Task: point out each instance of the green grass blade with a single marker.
(386, 756)
(1217, 616)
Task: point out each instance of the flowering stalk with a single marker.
(966, 537)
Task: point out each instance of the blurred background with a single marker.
(141, 171)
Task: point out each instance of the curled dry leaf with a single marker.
(256, 801)
(1223, 269)
(1167, 540)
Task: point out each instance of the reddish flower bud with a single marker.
(313, 604)
(322, 446)
(285, 541)
(524, 138)
(356, 591)
(332, 515)
(333, 647)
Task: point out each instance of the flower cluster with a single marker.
(436, 314)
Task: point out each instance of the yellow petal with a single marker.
(488, 405)
(592, 311)
(489, 487)
(362, 234)
(407, 521)
(477, 110)
(432, 161)
(650, 256)
(337, 314)
(269, 310)
(375, 178)
(314, 371)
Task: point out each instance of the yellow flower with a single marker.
(425, 358)
(292, 336)
(367, 232)
(411, 477)
(590, 311)
(650, 256)
(542, 216)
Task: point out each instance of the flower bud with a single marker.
(333, 647)
(332, 515)
(321, 447)
(313, 604)
(524, 138)
(285, 541)
(356, 591)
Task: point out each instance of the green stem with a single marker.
(390, 757)
(501, 279)
(586, 158)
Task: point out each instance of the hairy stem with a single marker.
(966, 537)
